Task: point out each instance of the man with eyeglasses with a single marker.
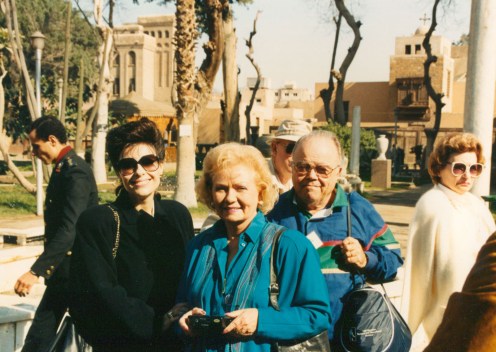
(317, 206)
(281, 146)
(71, 189)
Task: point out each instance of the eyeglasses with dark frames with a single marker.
(288, 148)
(128, 166)
(303, 168)
(459, 168)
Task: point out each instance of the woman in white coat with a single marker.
(449, 227)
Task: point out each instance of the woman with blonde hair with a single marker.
(228, 265)
(449, 227)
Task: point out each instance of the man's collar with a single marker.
(63, 153)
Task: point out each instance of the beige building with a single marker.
(143, 66)
(406, 95)
(272, 106)
(144, 61)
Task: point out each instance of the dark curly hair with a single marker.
(141, 131)
(454, 143)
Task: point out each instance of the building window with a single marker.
(408, 49)
(115, 74)
(115, 87)
(295, 94)
(411, 92)
(286, 94)
(259, 100)
(418, 49)
(167, 34)
(159, 34)
(153, 33)
(448, 84)
(277, 94)
(131, 71)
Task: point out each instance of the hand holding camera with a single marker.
(206, 325)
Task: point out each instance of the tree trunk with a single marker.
(230, 76)
(431, 130)
(101, 124)
(193, 91)
(78, 144)
(355, 26)
(67, 54)
(186, 35)
(10, 11)
(249, 55)
(326, 94)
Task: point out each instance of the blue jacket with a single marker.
(328, 229)
(206, 283)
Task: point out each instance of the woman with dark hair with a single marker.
(129, 255)
(449, 227)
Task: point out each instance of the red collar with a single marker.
(62, 153)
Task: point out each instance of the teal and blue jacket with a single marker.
(327, 230)
(209, 283)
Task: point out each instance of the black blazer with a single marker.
(70, 191)
(119, 304)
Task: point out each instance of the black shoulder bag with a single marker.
(67, 338)
(317, 343)
(369, 321)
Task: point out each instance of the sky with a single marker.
(295, 37)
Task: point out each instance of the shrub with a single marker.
(368, 149)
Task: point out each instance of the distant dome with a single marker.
(422, 30)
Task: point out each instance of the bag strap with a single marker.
(353, 273)
(274, 286)
(118, 232)
(349, 214)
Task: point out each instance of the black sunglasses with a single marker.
(289, 148)
(128, 166)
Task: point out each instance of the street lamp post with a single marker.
(38, 42)
(60, 84)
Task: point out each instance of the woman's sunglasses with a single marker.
(458, 168)
(128, 166)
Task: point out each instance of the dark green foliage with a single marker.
(368, 149)
(49, 17)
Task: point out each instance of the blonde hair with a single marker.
(454, 143)
(228, 156)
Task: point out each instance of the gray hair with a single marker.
(321, 134)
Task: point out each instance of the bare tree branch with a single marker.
(249, 55)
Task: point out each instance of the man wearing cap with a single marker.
(282, 144)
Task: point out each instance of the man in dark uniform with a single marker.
(71, 190)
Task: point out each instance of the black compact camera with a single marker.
(208, 325)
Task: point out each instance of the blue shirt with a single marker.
(328, 228)
(209, 284)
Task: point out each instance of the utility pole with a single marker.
(481, 75)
